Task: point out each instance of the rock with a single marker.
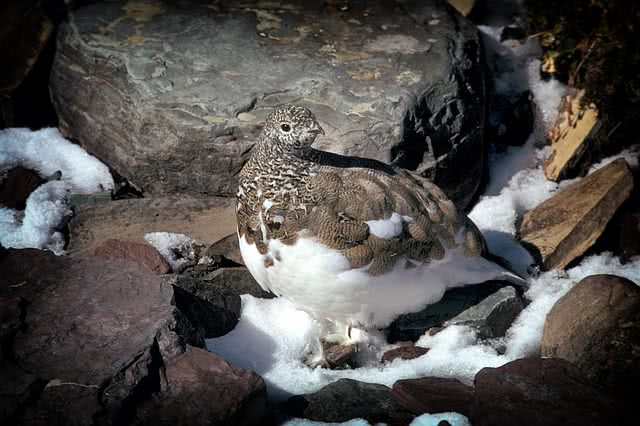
(26, 29)
(203, 389)
(143, 254)
(228, 248)
(413, 325)
(404, 352)
(493, 316)
(536, 392)
(512, 120)
(216, 311)
(207, 283)
(566, 225)
(629, 235)
(338, 356)
(182, 111)
(570, 138)
(596, 326)
(84, 337)
(349, 399)
(433, 395)
(16, 185)
(205, 219)
(463, 6)
(79, 201)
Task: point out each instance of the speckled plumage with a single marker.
(298, 204)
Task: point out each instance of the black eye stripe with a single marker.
(285, 127)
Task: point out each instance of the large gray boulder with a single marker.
(173, 95)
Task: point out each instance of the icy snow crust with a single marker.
(272, 336)
(46, 151)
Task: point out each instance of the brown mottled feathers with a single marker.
(287, 191)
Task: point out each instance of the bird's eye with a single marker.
(285, 127)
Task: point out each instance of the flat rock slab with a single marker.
(596, 326)
(493, 316)
(567, 224)
(434, 395)
(349, 399)
(101, 325)
(172, 95)
(205, 219)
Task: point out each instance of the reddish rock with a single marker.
(203, 389)
(596, 326)
(16, 186)
(338, 356)
(433, 395)
(143, 254)
(404, 352)
(539, 392)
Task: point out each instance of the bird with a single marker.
(354, 242)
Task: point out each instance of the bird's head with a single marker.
(292, 126)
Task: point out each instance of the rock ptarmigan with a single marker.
(350, 240)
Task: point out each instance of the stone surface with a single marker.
(16, 185)
(172, 95)
(413, 325)
(570, 137)
(537, 392)
(203, 389)
(228, 248)
(404, 352)
(349, 399)
(25, 31)
(511, 119)
(83, 337)
(338, 356)
(493, 316)
(567, 224)
(206, 283)
(434, 395)
(596, 326)
(205, 219)
(143, 254)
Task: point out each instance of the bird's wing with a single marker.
(376, 219)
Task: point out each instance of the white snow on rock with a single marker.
(168, 244)
(46, 151)
(272, 337)
(454, 419)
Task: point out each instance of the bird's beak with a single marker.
(318, 130)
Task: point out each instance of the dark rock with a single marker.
(493, 316)
(215, 313)
(207, 283)
(433, 395)
(412, 326)
(536, 391)
(567, 224)
(596, 326)
(143, 254)
(404, 352)
(205, 219)
(515, 119)
(513, 33)
(182, 112)
(92, 333)
(228, 248)
(16, 185)
(79, 201)
(349, 399)
(26, 29)
(203, 389)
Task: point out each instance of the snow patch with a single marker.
(169, 244)
(46, 152)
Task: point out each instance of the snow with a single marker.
(167, 244)
(272, 337)
(454, 419)
(46, 151)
